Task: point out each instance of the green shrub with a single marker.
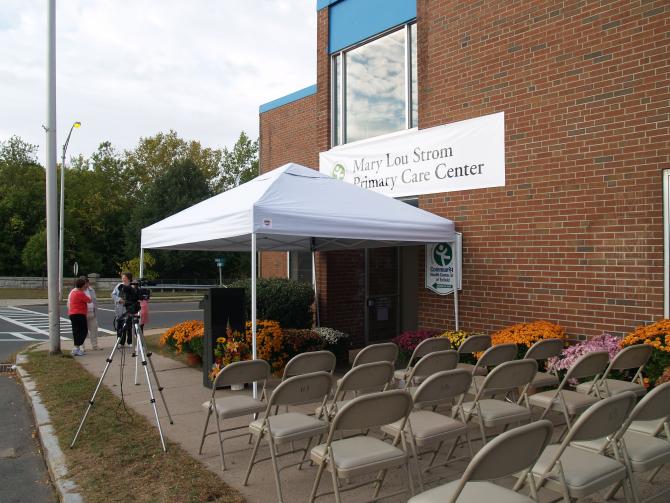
(287, 301)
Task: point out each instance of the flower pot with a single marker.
(193, 360)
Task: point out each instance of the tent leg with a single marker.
(455, 255)
(141, 263)
(316, 291)
(253, 303)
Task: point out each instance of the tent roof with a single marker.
(295, 208)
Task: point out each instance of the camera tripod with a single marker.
(145, 358)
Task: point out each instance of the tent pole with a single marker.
(455, 255)
(141, 263)
(316, 292)
(253, 303)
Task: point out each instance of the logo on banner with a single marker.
(339, 172)
(442, 254)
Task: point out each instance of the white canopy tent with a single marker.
(294, 208)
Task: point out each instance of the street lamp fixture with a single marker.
(75, 125)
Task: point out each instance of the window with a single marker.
(666, 243)
(300, 266)
(375, 87)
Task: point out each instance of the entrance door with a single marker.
(391, 292)
(382, 294)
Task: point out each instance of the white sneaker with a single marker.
(81, 352)
(74, 352)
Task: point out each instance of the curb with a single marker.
(55, 459)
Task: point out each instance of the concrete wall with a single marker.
(102, 284)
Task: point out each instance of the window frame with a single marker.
(339, 81)
(666, 243)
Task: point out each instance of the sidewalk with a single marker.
(185, 395)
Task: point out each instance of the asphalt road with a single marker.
(23, 473)
(21, 326)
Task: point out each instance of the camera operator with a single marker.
(123, 328)
(117, 294)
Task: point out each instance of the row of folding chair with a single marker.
(507, 377)
(601, 450)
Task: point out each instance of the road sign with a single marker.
(220, 261)
(440, 266)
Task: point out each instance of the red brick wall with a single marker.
(287, 134)
(575, 236)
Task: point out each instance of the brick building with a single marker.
(578, 232)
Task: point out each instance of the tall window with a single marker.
(375, 87)
(300, 266)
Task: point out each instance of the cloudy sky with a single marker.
(132, 68)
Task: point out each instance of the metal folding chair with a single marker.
(541, 351)
(503, 379)
(429, 365)
(289, 427)
(365, 378)
(571, 403)
(641, 452)
(361, 455)
(510, 452)
(473, 344)
(235, 406)
(575, 472)
(427, 428)
(311, 361)
(632, 357)
(425, 347)
(495, 355)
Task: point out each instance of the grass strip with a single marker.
(115, 461)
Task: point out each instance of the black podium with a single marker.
(222, 306)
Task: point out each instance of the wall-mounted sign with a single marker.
(440, 266)
(463, 155)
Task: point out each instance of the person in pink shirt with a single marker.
(77, 309)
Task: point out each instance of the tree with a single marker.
(153, 155)
(239, 164)
(22, 208)
(97, 207)
(34, 254)
(133, 266)
(180, 186)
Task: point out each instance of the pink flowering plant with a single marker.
(604, 342)
(410, 339)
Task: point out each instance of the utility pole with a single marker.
(52, 201)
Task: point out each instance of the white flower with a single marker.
(330, 335)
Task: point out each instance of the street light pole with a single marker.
(61, 229)
(51, 203)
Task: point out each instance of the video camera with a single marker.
(134, 293)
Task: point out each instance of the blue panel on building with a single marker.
(320, 4)
(354, 20)
(308, 91)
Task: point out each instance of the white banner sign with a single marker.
(440, 266)
(464, 155)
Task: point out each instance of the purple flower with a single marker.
(570, 355)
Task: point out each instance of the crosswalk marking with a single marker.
(23, 337)
(35, 323)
